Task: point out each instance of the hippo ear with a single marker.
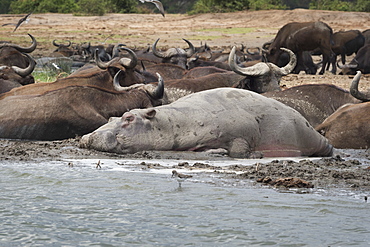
(150, 113)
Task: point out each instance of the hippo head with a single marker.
(127, 134)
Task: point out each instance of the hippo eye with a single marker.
(129, 119)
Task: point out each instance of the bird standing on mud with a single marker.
(24, 19)
(157, 3)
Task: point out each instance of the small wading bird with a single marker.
(180, 177)
(24, 19)
(157, 3)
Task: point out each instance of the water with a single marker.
(52, 204)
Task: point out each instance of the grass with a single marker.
(48, 73)
(42, 76)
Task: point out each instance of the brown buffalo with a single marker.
(315, 102)
(14, 76)
(70, 111)
(177, 56)
(63, 50)
(196, 61)
(349, 127)
(346, 43)
(361, 62)
(262, 77)
(101, 76)
(16, 65)
(299, 37)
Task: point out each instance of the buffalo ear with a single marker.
(150, 113)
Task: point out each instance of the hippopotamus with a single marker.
(241, 122)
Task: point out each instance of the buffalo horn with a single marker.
(116, 49)
(58, 45)
(117, 86)
(292, 62)
(191, 49)
(354, 88)
(266, 45)
(131, 62)
(100, 63)
(255, 70)
(347, 66)
(159, 91)
(156, 52)
(28, 70)
(255, 52)
(22, 49)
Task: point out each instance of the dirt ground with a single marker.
(347, 168)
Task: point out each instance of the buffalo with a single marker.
(174, 55)
(366, 34)
(349, 127)
(14, 76)
(259, 78)
(16, 65)
(299, 37)
(70, 111)
(63, 50)
(346, 43)
(262, 77)
(89, 75)
(315, 102)
(195, 61)
(361, 62)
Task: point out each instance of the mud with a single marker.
(347, 168)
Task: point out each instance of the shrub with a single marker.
(266, 4)
(43, 6)
(92, 7)
(336, 5)
(208, 6)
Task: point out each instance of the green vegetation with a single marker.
(49, 73)
(100, 7)
(359, 5)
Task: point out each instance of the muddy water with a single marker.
(127, 204)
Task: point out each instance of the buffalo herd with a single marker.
(125, 100)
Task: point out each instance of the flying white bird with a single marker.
(157, 3)
(24, 19)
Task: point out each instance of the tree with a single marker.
(92, 7)
(4, 6)
(363, 6)
(43, 6)
(124, 6)
(206, 6)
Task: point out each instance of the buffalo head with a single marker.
(177, 56)
(125, 64)
(262, 77)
